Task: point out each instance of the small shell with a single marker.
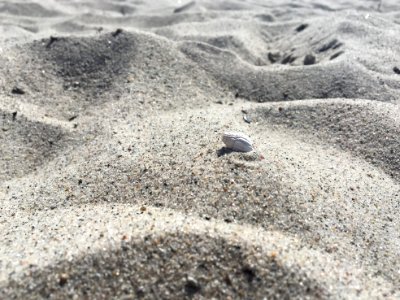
(237, 141)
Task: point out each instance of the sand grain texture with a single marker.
(115, 183)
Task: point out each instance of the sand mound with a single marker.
(87, 64)
(335, 67)
(364, 128)
(67, 74)
(34, 10)
(27, 144)
(184, 264)
(148, 253)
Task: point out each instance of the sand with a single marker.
(115, 183)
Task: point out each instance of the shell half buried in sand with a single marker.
(237, 141)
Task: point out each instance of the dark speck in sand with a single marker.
(274, 57)
(249, 273)
(140, 292)
(72, 118)
(333, 44)
(301, 27)
(288, 59)
(52, 40)
(117, 32)
(184, 7)
(17, 91)
(336, 55)
(396, 70)
(63, 279)
(192, 286)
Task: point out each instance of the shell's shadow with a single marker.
(224, 151)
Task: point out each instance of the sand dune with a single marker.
(114, 182)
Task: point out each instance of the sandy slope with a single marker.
(113, 177)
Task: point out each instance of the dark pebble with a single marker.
(309, 60)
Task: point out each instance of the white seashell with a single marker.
(237, 141)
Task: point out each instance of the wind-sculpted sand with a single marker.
(115, 181)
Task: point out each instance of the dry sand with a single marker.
(114, 182)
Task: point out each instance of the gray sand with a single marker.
(114, 182)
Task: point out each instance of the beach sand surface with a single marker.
(115, 183)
